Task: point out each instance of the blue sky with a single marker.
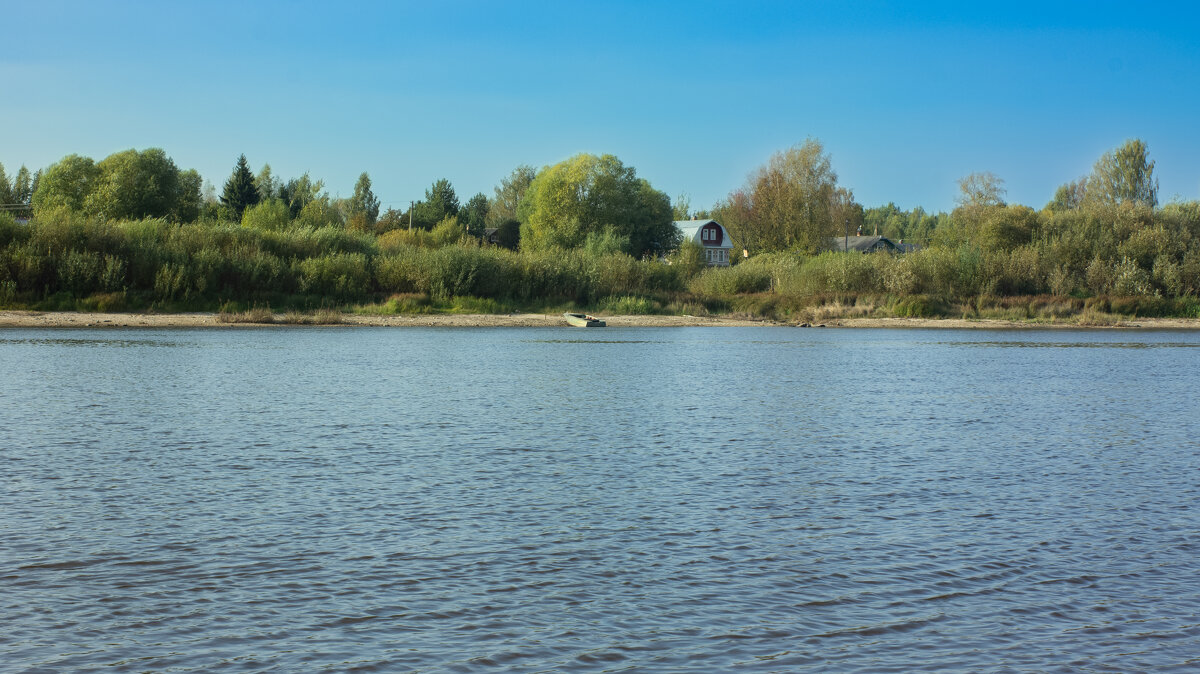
(906, 96)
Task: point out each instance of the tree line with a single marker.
(1101, 234)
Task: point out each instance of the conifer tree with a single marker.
(364, 204)
(240, 192)
(6, 192)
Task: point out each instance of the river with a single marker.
(675, 500)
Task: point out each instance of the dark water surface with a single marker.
(619, 500)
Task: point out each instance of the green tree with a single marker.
(681, 208)
(7, 195)
(1124, 175)
(508, 234)
(586, 194)
(319, 212)
(363, 207)
(1068, 196)
(474, 214)
(268, 185)
(269, 215)
(509, 193)
(67, 184)
(298, 192)
(23, 185)
(240, 192)
(440, 203)
(791, 203)
(1007, 227)
(189, 201)
(132, 185)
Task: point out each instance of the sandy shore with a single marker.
(66, 319)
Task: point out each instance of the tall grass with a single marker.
(1141, 260)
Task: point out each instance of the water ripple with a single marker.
(700, 500)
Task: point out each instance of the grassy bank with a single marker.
(1143, 264)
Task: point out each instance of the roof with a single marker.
(690, 229)
(862, 244)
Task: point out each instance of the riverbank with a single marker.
(67, 319)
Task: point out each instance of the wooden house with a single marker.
(711, 236)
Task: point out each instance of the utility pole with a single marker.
(410, 210)
(846, 231)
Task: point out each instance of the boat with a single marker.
(584, 320)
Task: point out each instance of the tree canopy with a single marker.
(980, 190)
(66, 184)
(1124, 175)
(586, 195)
(503, 206)
(363, 206)
(240, 190)
(125, 185)
(440, 203)
(473, 214)
(791, 203)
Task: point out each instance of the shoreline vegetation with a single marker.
(133, 235)
(262, 318)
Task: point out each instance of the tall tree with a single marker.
(440, 203)
(1124, 175)
(240, 191)
(681, 208)
(979, 190)
(363, 206)
(589, 195)
(508, 195)
(7, 196)
(1069, 196)
(189, 201)
(23, 185)
(473, 214)
(133, 184)
(268, 185)
(299, 192)
(66, 183)
(788, 204)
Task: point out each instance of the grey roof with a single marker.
(862, 244)
(690, 229)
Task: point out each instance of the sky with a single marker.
(906, 97)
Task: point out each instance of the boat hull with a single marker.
(584, 321)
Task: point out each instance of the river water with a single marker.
(676, 500)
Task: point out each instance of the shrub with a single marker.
(339, 275)
(1130, 279)
(628, 305)
(737, 280)
(270, 215)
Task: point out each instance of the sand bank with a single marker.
(66, 319)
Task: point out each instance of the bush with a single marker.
(628, 305)
(919, 306)
(738, 280)
(270, 215)
(337, 275)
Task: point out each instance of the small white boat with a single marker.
(584, 320)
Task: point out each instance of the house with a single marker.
(866, 244)
(491, 235)
(711, 236)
